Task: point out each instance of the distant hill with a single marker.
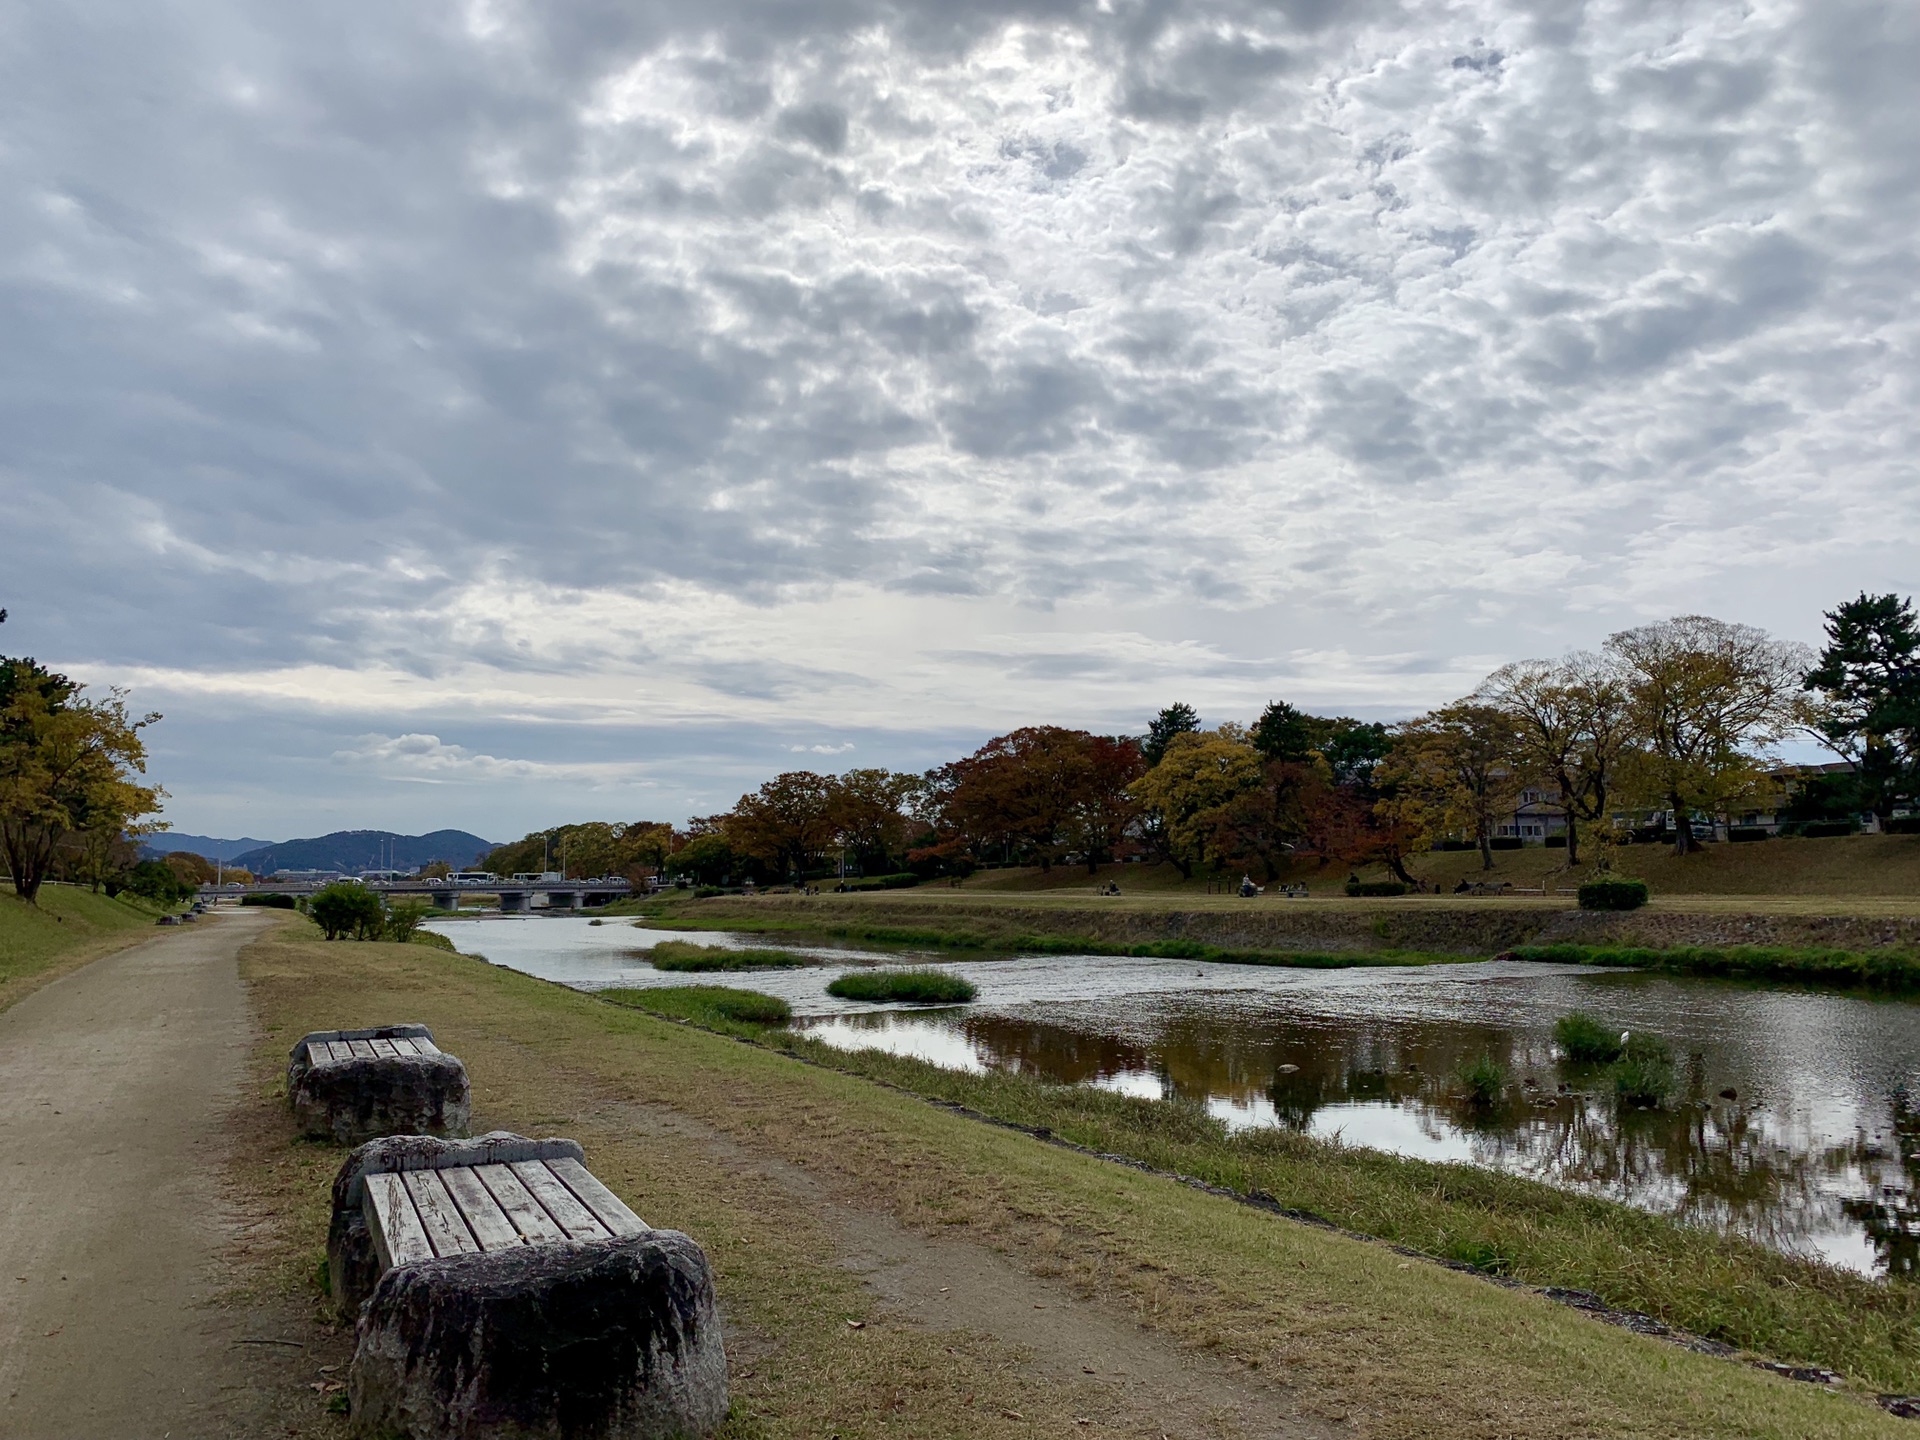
(356, 850)
(206, 846)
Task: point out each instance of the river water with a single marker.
(1815, 1151)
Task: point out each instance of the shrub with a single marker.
(1505, 842)
(1902, 825)
(346, 908)
(403, 920)
(1826, 829)
(1485, 1080)
(683, 955)
(1585, 1039)
(707, 892)
(935, 987)
(1747, 834)
(1454, 845)
(1555, 842)
(1644, 1073)
(270, 902)
(154, 880)
(1613, 894)
(904, 880)
(1375, 888)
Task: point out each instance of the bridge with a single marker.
(515, 896)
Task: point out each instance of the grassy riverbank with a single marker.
(67, 928)
(790, 1173)
(1890, 970)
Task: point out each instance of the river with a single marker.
(1815, 1150)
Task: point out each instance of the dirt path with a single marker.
(115, 1087)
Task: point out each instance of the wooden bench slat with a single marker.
(361, 1048)
(383, 1048)
(557, 1200)
(609, 1207)
(319, 1052)
(423, 1046)
(439, 1216)
(403, 1046)
(398, 1238)
(522, 1209)
(340, 1049)
(484, 1217)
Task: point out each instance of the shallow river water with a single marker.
(1817, 1150)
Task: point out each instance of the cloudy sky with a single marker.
(496, 414)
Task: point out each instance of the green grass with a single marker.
(1892, 970)
(717, 1007)
(67, 922)
(1586, 1040)
(1721, 1286)
(1485, 1080)
(683, 955)
(923, 986)
(1030, 944)
(1643, 1075)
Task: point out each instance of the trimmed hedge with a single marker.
(1613, 894)
(905, 880)
(1901, 825)
(1555, 842)
(1505, 842)
(1826, 829)
(1375, 889)
(1747, 834)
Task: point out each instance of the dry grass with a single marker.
(68, 928)
(1373, 1343)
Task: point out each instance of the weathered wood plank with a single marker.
(484, 1217)
(522, 1209)
(557, 1200)
(393, 1224)
(425, 1046)
(361, 1048)
(439, 1216)
(341, 1049)
(383, 1048)
(607, 1206)
(403, 1046)
(319, 1052)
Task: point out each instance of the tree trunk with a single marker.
(1399, 871)
(1573, 834)
(1683, 842)
(1486, 851)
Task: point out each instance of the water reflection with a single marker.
(1817, 1151)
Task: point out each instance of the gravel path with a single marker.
(115, 1087)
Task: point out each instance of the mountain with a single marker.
(206, 846)
(356, 850)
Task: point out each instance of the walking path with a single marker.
(115, 1085)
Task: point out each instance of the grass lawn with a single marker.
(68, 927)
(778, 1167)
(684, 955)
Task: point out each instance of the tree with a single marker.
(347, 908)
(1105, 813)
(155, 880)
(1707, 698)
(1869, 678)
(1176, 719)
(1572, 728)
(1200, 773)
(67, 764)
(194, 870)
(1284, 733)
(704, 859)
(787, 822)
(864, 814)
(1454, 769)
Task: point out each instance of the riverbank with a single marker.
(1410, 930)
(68, 928)
(790, 1173)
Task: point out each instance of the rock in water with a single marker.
(575, 1340)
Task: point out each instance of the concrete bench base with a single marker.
(614, 1339)
(355, 1085)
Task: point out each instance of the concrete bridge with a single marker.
(515, 896)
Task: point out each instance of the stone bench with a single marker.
(500, 1289)
(355, 1085)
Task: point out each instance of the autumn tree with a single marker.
(1104, 812)
(1572, 727)
(787, 823)
(1199, 775)
(68, 764)
(1868, 678)
(1454, 769)
(1707, 699)
(864, 813)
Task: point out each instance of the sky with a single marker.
(499, 414)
